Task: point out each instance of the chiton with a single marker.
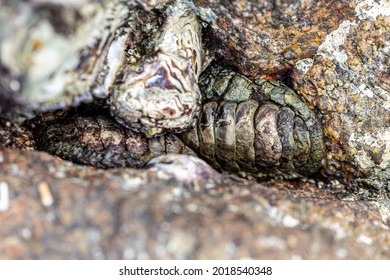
(260, 129)
(100, 141)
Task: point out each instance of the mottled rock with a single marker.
(53, 209)
(268, 37)
(348, 82)
(343, 43)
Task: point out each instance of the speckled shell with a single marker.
(99, 141)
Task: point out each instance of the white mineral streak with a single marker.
(364, 239)
(339, 231)
(272, 242)
(4, 196)
(365, 91)
(330, 48)
(371, 9)
(289, 221)
(370, 91)
(378, 140)
(360, 143)
(304, 65)
(132, 183)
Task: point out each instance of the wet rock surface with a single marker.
(63, 211)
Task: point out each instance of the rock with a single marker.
(13, 135)
(339, 51)
(268, 37)
(348, 82)
(59, 210)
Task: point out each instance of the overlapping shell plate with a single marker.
(259, 128)
(99, 141)
(256, 129)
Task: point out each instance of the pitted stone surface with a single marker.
(269, 37)
(348, 82)
(153, 214)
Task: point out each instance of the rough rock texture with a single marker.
(348, 82)
(268, 37)
(177, 208)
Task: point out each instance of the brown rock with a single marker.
(268, 37)
(345, 82)
(154, 214)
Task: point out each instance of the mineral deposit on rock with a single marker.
(268, 37)
(348, 82)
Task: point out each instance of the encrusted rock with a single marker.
(348, 82)
(147, 62)
(268, 37)
(260, 129)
